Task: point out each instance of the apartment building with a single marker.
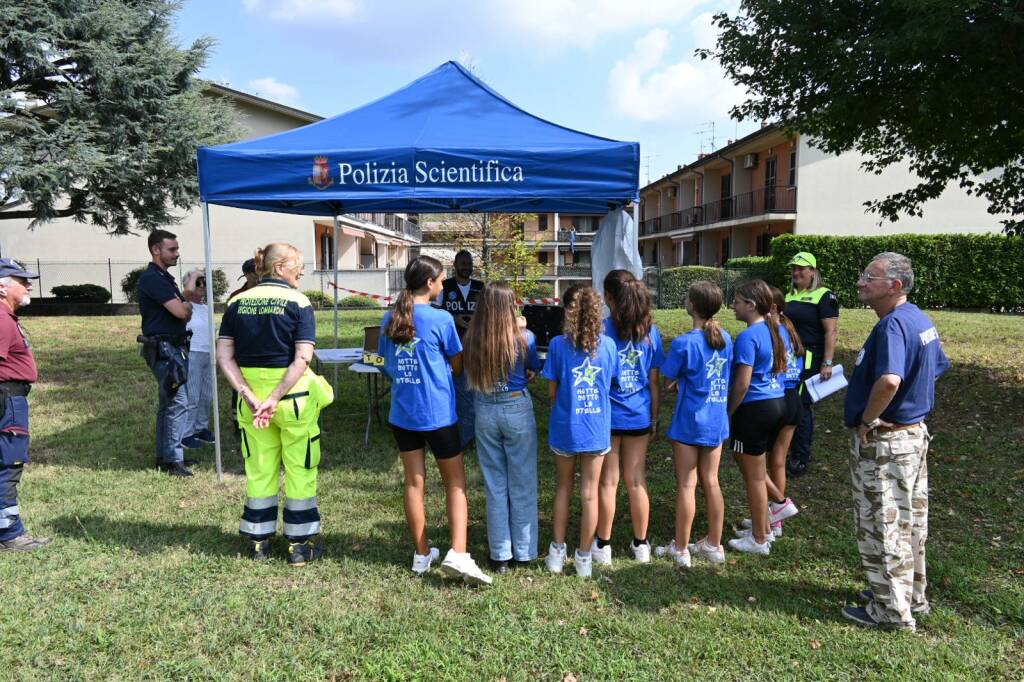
(734, 201)
(563, 243)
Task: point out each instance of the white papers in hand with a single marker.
(818, 388)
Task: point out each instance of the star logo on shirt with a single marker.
(714, 365)
(585, 373)
(407, 348)
(629, 355)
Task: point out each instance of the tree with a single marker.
(497, 244)
(936, 83)
(101, 113)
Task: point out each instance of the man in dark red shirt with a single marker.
(17, 373)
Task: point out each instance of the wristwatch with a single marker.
(871, 425)
(827, 363)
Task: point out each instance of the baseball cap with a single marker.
(12, 268)
(804, 260)
(248, 267)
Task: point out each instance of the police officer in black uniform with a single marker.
(165, 312)
(459, 298)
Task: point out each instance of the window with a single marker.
(542, 222)
(726, 196)
(764, 242)
(725, 250)
(770, 167)
(792, 167)
(542, 257)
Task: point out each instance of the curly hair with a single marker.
(584, 321)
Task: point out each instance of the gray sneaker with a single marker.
(24, 543)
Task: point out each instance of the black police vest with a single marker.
(452, 300)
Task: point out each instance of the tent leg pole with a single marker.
(337, 230)
(636, 232)
(213, 339)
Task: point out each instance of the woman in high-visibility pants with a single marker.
(264, 348)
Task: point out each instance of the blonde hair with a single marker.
(275, 254)
(584, 321)
(494, 342)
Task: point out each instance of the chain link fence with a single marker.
(110, 274)
(668, 286)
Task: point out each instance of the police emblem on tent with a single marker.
(321, 178)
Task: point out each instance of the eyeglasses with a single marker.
(865, 277)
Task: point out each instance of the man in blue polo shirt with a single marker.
(165, 312)
(891, 392)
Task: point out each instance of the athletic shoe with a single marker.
(206, 436)
(192, 443)
(23, 543)
(925, 609)
(747, 532)
(421, 562)
(641, 552)
(672, 552)
(499, 566)
(259, 549)
(746, 523)
(584, 564)
(749, 545)
(602, 555)
(796, 468)
(461, 565)
(715, 555)
(777, 529)
(861, 617)
(302, 553)
(555, 559)
(177, 469)
(782, 511)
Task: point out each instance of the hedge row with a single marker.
(950, 270)
(81, 293)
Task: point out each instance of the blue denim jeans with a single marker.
(171, 411)
(506, 445)
(200, 393)
(10, 516)
(464, 406)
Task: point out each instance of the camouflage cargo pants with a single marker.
(890, 507)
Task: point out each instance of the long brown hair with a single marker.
(757, 292)
(419, 270)
(583, 321)
(494, 341)
(706, 300)
(630, 305)
(779, 299)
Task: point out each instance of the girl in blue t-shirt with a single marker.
(501, 359)
(421, 350)
(699, 363)
(756, 404)
(580, 368)
(635, 402)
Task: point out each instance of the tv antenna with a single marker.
(647, 167)
(707, 129)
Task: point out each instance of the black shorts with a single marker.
(646, 431)
(444, 442)
(754, 425)
(794, 407)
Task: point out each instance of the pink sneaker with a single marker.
(781, 511)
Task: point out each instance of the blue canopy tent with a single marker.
(445, 143)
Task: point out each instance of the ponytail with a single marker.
(631, 305)
(758, 292)
(778, 346)
(401, 328)
(779, 300)
(705, 299)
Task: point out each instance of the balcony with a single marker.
(767, 200)
(581, 237)
(399, 226)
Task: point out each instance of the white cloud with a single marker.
(647, 85)
(272, 89)
(299, 10)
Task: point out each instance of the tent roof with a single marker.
(446, 142)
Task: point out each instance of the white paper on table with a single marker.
(818, 388)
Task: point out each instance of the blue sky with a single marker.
(624, 70)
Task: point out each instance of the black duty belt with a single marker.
(155, 339)
(15, 387)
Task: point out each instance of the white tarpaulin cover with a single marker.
(615, 248)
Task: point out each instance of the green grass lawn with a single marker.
(145, 579)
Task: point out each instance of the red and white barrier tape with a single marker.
(378, 297)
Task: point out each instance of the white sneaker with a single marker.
(461, 565)
(782, 511)
(777, 529)
(584, 564)
(641, 553)
(746, 523)
(749, 545)
(715, 555)
(748, 532)
(601, 556)
(682, 558)
(555, 559)
(421, 562)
